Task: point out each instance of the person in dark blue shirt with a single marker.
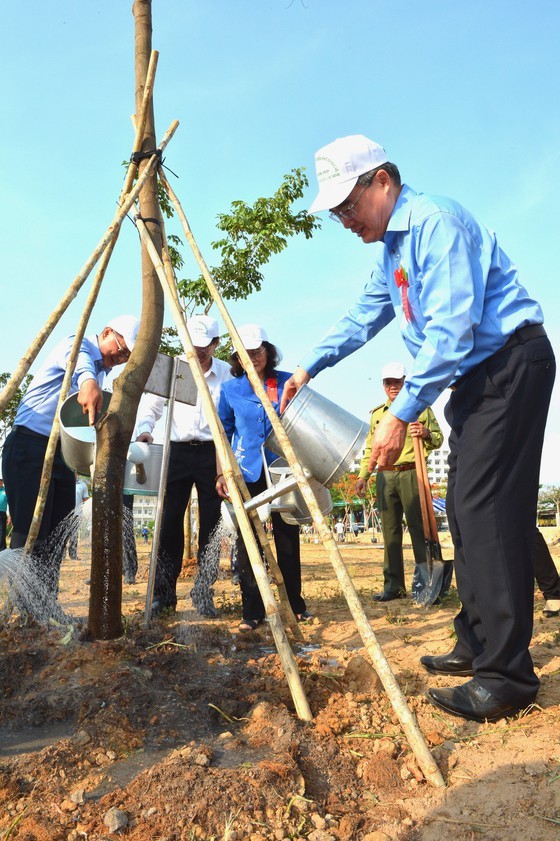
(247, 425)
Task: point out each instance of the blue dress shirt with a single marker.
(37, 408)
(246, 423)
(464, 296)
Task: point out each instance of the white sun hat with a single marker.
(252, 336)
(393, 371)
(339, 165)
(202, 329)
(126, 326)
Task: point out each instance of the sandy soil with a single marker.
(187, 730)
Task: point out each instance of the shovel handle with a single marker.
(425, 492)
(418, 459)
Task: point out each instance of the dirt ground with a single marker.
(187, 730)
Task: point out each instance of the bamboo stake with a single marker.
(286, 612)
(227, 460)
(108, 237)
(380, 662)
(73, 358)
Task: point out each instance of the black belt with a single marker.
(24, 430)
(521, 335)
(195, 443)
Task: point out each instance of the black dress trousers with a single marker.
(497, 417)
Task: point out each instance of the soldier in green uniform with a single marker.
(397, 487)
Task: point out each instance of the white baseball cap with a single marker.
(252, 336)
(393, 371)
(202, 329)
(127, 326)
(339, 166)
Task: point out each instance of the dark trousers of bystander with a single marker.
(22, 464)
(397, 494)
(189, 465)
(548, 580)
(286, 541)
(3, 527)
(497, 416)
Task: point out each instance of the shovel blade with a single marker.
(427, 585)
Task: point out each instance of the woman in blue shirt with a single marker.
(247, 426)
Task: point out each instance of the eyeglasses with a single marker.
(255, 354)
(122, 351)
(348, 211)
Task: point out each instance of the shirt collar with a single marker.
(400, 217)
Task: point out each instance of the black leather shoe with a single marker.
(472, 701)
(448, 664)
(387, 596)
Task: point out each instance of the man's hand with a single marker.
(293, 385)
(388, 440)
(361, 487)
(418, 430)
(222, 488)
(146, 438)
(90, 398)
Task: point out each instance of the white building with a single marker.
(143, 510)
(437, 465)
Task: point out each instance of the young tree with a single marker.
(345, 491)
(252, 235)
(116, 428)
(551, 494)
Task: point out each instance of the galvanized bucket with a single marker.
(325, 437)
(77, 441)
(77, 437)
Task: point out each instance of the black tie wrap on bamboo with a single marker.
(136, 157)
(145, 219)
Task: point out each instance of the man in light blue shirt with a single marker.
(470, 325)
(24, 450)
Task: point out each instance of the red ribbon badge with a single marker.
(272, 389)
(401, 279)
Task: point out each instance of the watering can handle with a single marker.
(266, 470)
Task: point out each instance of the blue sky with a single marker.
(464, 97)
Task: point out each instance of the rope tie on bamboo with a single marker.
(136, 157)
(145, 219)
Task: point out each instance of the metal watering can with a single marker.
(78, 442)
(325, 437)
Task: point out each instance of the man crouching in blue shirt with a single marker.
(470, 325)
(24, 450)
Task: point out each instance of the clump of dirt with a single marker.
(187, 729)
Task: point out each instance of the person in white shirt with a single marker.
(192, 461)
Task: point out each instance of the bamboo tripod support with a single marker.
(82, 325)
(227, 460)
(108, 238)
(80, 332)
(286, 613)
(376, 653)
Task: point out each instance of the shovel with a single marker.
(429, 578)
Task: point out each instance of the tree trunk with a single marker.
(115, 430)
